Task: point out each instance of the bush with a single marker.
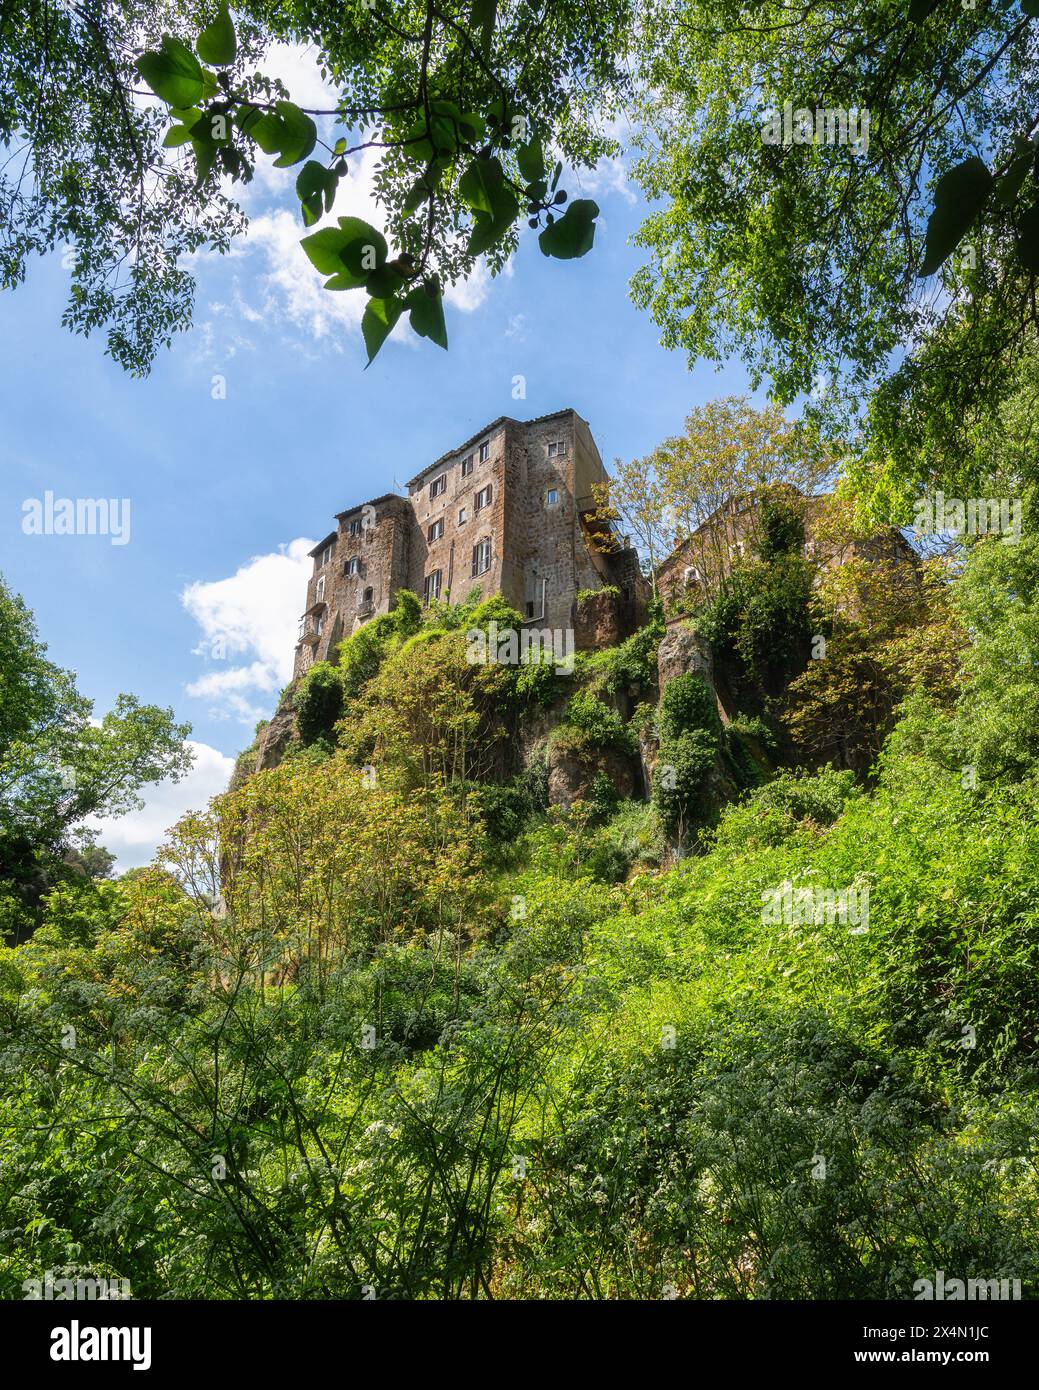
(687, 704)
(820, 797)
(632, 838)
(745, 770)
(680, 780)
(592, 726)
(319, 703)
(690, 737)
(759, 624)
(782, 530)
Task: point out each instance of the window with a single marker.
(353, 565)
(467, 465)
(551, 497)
(431, 586)
(369, 595)
(438, 485)
(436, 529)
(482, 499)
(461, 516)
(319, 591)
(355, 527)
(481, 557)
(319, 623)
(485, 450)
(325, 556)
(530, 608)
(557, 448)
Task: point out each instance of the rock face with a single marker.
(570, 775)
(683, 650)
(278, 734)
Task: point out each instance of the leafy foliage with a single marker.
(59, 766)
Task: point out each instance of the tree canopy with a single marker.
(59, 765)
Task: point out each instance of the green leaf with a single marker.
(173, 73)
(247, 116)
(482, 22)
(473, 125)
(920, 9)
(383, 283)
(531, 161)
(1030, 8)
(176, 135)
(323, 249)
(217, 42)
(205, 128)
(572, 234)
(379, 319)
(481, 184)
(354, 249)
(361, 245)
(285, 131)
(493, 203)
(417, 144)
(427, 313)
(959, 196)
(1028, 239)
(344, 280)
(1009, 186)
(316, 189)
(205, 156)
(487, 229)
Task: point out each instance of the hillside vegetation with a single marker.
(381, 1023)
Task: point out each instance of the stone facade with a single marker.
(510, 512)
(695, 568)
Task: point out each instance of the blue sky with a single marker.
(198, 610)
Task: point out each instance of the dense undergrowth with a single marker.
(381, 1024)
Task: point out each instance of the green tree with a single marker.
(473, 108)
(822, 257)
(58, 765)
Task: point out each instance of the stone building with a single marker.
(698, 564)
(509, 511)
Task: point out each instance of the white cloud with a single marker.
(291, 284)
(609, 176)
(297, 66)
(133, 838)
(253, 614)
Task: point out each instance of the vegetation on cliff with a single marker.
(380, 1019)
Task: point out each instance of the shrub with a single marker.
(690, 736)
(686, 704)
(820, 797)
(319, 703)
(633, 837)
(745, 770)
(680, 779)
(593, 726)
